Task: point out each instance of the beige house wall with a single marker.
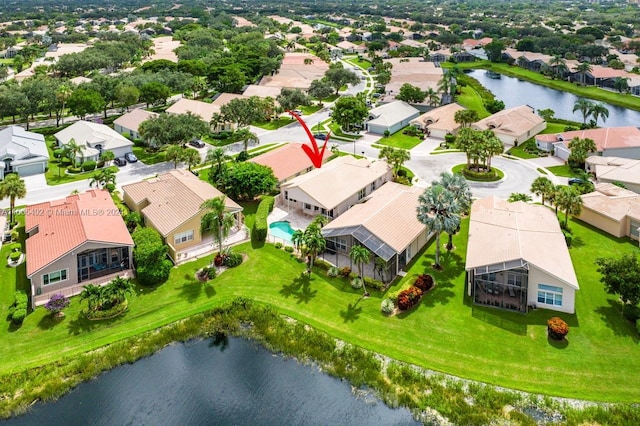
(192, 224)
(69, 262)
(538, 276)
(133, 206)
(607, 224)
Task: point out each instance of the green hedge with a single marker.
(19, 307)
(88, 165)
(260, 227)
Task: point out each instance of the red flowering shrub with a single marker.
(408, 298)
(424, 282)
(218, 260)
(557, 328)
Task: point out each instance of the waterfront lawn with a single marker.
(444, 332)
(400, 140)
(470, 99)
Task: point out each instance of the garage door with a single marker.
(30, 169)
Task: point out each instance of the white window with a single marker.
(54, 277)
(362, 193)
(183, 237)
(549, 295)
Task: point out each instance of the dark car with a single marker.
(197, 143)
(120, 161)
(130, 157)
(576, 181)
(320, 136)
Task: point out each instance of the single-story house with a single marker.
(623, 142)
(289, 161)
(348, 47)
(171, 204)
(385, 222)
(22, 152)
(224, 98)
(129, 122)
(514, 125)
(332, 189)
(392, 117)
(262, 91)
(94, 139)
(78, 240)
(615, 169)
(612, 209)
(201, 109)
(517, 258)
(440, 121)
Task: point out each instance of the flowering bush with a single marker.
(57, 303)
(424, 282)
(408, 298)
(557, 328)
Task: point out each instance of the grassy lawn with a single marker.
(563, 170)
(57, 176)
(470, 99)
(150, 157)
(337, 131)
(520, 151)
(400, 140)
(362, 63)
(274, 124)
(445, 332)
(310, 109)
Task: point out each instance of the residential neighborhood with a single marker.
(433, 202)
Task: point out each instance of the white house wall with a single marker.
(633, 153)
(538, 276)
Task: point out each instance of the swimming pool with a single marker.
(281, 230)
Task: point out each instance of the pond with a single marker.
(234, 382)
(514, 92)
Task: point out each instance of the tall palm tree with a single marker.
(598, 110)
(314, 244)
(439, 211)
(93, 294)
(12, 187)
(216, 220)
(583, 68)
(542, 187)
(570, 201)
(191, 157)
(360, 256)
(297, 239)
(320, 221)
(491, 146)
(120, 287)
(218, 159)
(246, 136)
(175, 153)
(584, 106)
(458, 186)
(63, 93)
(559, 65)
(621, 84)
(103, 178)
(72, 150)
(432, 97)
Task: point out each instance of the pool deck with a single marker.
(296, 220)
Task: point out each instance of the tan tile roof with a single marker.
(133, 118)
(627, 172)
(262, 91)
(173, 198)
(612, 201)
(225, 98)
(389, 213)
(502, 232)
(65, 224)
(598, 71)
(605, 138)
(339, 179)
(513, 121)
(288, 160)
(440, 118)
(199, 108)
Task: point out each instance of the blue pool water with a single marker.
(281, 230)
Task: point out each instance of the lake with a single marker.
(203, 383)
(514, 92)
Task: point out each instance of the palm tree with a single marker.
(72, 150)
(175, 153)
(320, 221)
(218, 159)
(246, 135)
(458, 186)
(559, 65)
(465, 117)
(439, 211)
(519, 196)
(216, 219)
(63, 93)
(583, 68)
(93, 294)
(542, 187)
(432, 97)
(570, 201)
(107, 157)
(297, 239)
(360, 256)
(191, 157)
(584, 106)
(12, 187)
(119, 288)
(491, 146)
(314, 244)
(599, 111)
(103, 178)
(621, 84)
(395, 157)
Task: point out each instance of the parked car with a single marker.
(297, 111)
(320, 136)
(576, 181)
(120, 161)
(197, 143)
(130, 157)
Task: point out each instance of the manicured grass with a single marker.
(310, 109)
(563, 170)
(470, 99)
(55, 176)
(521, 151)
(497, 175)
(400, 140)
(541, 171)
(445, 332)
(149, 156)
(337, 131)
(274, 124)
(362, 63)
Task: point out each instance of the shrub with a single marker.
(424, 282)
(319, 263)
(557, 328)
(333, 271)
(15, 235)
(386, 133)
(638, 326)
(408, 298)
(387, 306)
(16, 247)
(260, 226)
(57, 303)
(449, 138)
(14, 256)
(288, 249)
(150, 253)
(20, 299)
(212, 273)
(374, 284)
(58, 152)
(74, 170)
(345, 272)
(631, 312)
(18, 316)
(88, 165)
(242, 156)
(232, 260)
(356, 283)
(278, 245)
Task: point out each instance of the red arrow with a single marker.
(315, 155)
